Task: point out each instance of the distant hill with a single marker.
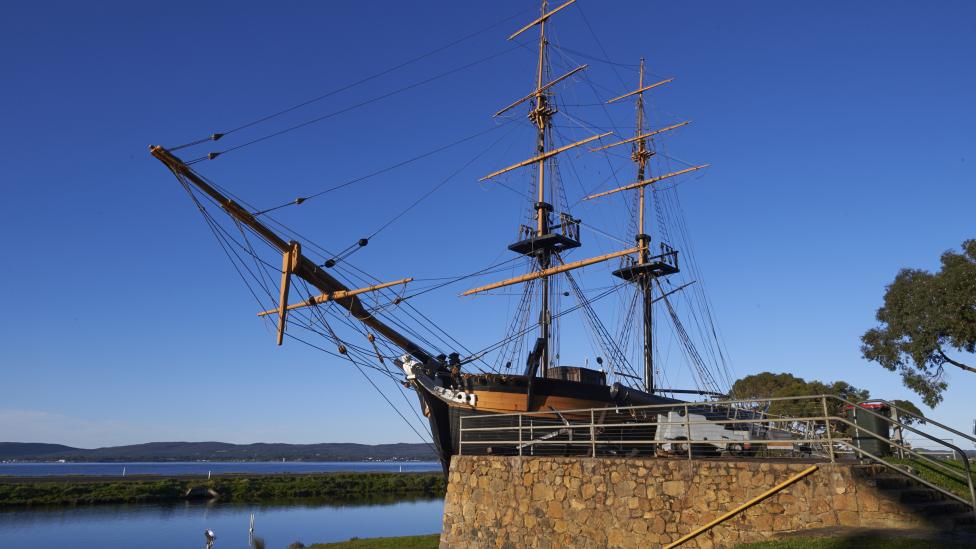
(17, 450)
(217, 451)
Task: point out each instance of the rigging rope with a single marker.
(213, 155)
(217, 136)
(303, 199)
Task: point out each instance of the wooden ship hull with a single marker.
(373, 327)
(446, 398)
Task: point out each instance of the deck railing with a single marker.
(808, 427)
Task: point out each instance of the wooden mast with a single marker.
(296, 263)
(541, 115)
(645, 269)
(641, 155)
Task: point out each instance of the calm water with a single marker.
(201, 467)
(182, 526)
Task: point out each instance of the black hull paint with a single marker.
(445, 418)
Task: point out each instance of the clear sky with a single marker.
(841, 138)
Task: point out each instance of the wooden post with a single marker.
(592, 433)
(520, 434)
(830, 440)
(289, 262)
(698, 531)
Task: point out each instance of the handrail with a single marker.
(963, 457)
(913, 476)
(923, 418)
(828, 437)
(923, 456)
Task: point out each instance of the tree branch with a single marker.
(954, 363)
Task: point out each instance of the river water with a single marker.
(182, 526)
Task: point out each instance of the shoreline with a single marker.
(138, 477)
(26, 492)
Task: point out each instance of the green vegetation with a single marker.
(924, 316)
(84, 493)
(342, 487)
(407, 542)
(770, 385)
(932, 473)
(854, 542)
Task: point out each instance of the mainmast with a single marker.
(643, 269)
(541, 115)
(641, 156)
(544, 241)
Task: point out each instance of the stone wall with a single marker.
(512, 502)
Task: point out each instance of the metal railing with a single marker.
(809, 427)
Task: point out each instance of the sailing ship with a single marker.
(452, 385)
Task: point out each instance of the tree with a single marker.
(925, 318)
(767, 385)
(909, 407)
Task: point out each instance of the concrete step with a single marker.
(894, 482)
(941, 508)
(967, 519)
(916, 495)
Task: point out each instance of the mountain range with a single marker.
(217, 451)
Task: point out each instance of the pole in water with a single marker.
(123, 471)
(250, 529)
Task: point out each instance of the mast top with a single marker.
(541, 19)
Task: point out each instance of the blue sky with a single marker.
(840, 137)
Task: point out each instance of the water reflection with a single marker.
(182, 525)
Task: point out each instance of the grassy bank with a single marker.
(360, 487)
(855, 542)
(407, 542)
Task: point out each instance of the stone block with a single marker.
(673, 488)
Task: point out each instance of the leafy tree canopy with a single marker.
(927, 320)
(769, 385)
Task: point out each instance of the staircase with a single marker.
(917, 498)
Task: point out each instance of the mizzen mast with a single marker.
(642, 269)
